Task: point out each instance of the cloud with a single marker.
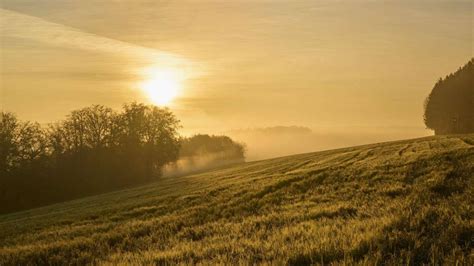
(18, 25)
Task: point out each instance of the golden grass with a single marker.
(405, 202)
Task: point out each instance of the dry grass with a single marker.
(406, 202)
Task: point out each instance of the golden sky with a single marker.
(330, 65)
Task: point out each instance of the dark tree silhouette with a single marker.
(148, 138)
(9, 130)
(449, 109)
(21, 143)
(93, 150)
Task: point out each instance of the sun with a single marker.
(162, 85)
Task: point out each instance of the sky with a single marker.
(333, 66)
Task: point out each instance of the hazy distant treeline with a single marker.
(95, 149)
(201, 152)
(449, 109)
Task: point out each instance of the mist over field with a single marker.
(268, 142)
(198, 163)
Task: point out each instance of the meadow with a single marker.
(403, 202)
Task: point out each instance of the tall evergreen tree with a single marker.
(449, 109)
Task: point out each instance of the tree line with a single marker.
(95, 149)
(222, 147)
(449, 109)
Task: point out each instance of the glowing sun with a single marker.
(162, 86)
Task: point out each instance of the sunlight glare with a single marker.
(162, 85)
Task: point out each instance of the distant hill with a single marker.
(397, 202)
(449, 109)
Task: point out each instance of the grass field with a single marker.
(399, 202)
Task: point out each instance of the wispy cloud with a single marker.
(14, 24)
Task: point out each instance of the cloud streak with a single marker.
(18, 25)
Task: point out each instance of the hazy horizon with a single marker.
(361, 69)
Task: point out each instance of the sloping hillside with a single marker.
(398, 202)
